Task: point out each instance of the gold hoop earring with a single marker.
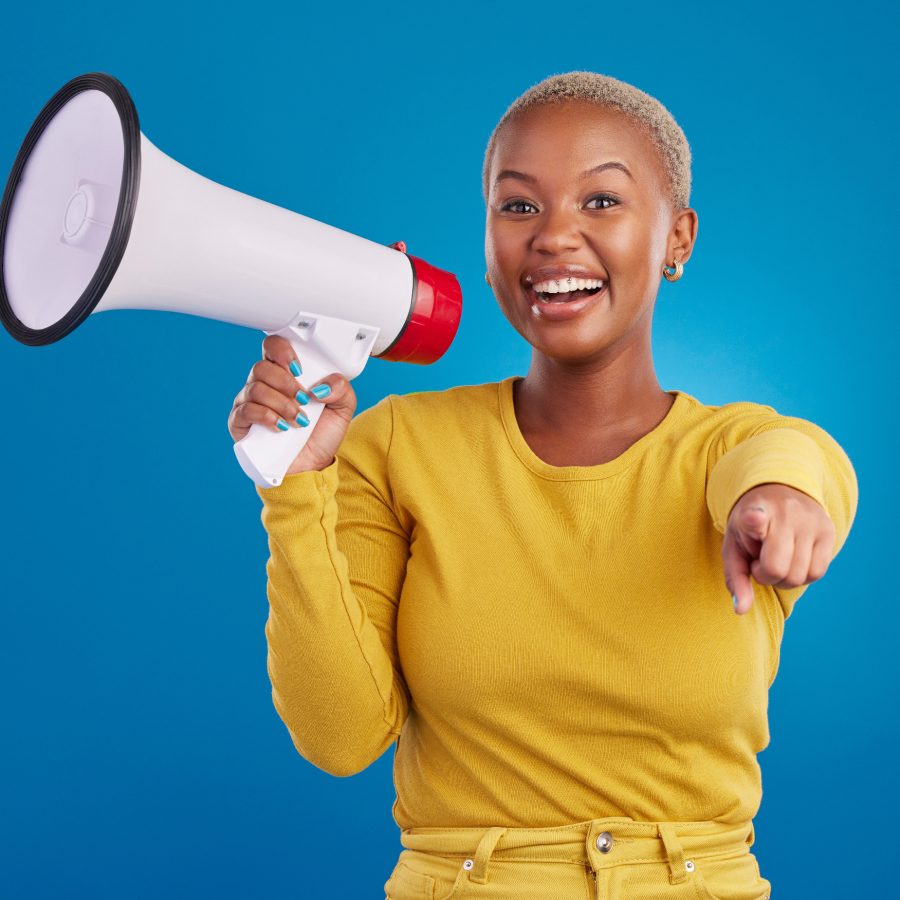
(678, 270)
(487, 278)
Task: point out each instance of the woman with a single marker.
(526, 583)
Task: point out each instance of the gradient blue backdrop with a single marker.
(141, 755)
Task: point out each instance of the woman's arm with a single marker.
(762, 447)
(336, 567)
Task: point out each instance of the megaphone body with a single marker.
(95, 217)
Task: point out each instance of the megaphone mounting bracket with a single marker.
(337, 342)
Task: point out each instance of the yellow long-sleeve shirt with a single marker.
(546, 644)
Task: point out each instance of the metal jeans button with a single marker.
(604, 842)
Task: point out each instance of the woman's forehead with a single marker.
(573, 134)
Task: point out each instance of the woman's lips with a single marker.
(558, 307)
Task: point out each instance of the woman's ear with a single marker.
(682, 236)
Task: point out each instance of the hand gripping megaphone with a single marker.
(94, 217)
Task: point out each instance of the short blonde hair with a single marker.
(604, 90)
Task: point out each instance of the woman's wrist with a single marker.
(311, 467)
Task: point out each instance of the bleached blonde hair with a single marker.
(604, 90)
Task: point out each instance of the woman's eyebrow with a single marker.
(608, 165)
(512, 173)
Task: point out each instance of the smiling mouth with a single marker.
(565, 290)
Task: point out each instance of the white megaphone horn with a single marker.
(95, 217)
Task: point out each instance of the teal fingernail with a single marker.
(302, 419)
(302, 398)
(734, 600)
(283, 425)
(321, 390)
(295, 368)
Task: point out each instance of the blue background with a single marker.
(141, 755)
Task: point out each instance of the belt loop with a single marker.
(675, 852)
(483, 854)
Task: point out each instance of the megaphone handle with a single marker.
(333, 346)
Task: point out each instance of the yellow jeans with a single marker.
(602, 859)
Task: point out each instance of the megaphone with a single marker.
(95, 217)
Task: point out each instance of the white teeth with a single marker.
(567, 284)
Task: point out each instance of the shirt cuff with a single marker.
(302, 488)
(781, 456)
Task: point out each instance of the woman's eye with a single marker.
(606, 200)
(515, 206)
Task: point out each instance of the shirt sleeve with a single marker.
(763, 447)
(337, 561)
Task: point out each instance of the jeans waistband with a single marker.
(599, 843)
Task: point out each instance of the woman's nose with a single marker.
(557, 230)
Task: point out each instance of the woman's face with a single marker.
(557, 209)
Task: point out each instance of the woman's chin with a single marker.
(576, 346)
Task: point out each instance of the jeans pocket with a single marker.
(734, 877)
(648, 881)
(420, 876)
(407, 884)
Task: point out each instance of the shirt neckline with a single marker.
(581, 473)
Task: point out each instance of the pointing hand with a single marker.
(780, 536)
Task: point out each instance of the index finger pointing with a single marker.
(737, 572)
